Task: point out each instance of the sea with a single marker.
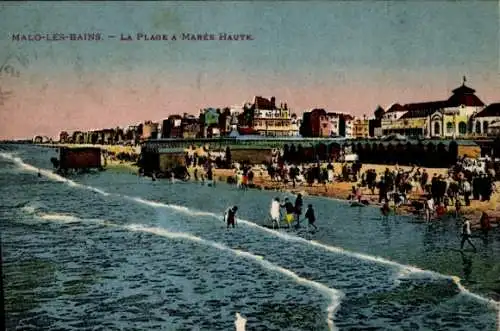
(114, 251)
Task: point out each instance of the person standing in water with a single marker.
(466, 235)
(485, 223)
(298, 209)
(385, 209)
(289, 211)
(230, 216)
(275, 212)
(429, 208)
(311, 218)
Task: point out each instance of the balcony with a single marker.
(274, 128)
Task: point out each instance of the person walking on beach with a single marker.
(230, 216)
(466, 235)
(275, 212)
(311, 218)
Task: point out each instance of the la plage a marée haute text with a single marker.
(97, 36)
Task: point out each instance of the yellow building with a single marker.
(360, 128)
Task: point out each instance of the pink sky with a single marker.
(46, 107)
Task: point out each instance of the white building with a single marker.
(237, 109)
(270, 120)
(349, 126)
(295, 125)
(341, 124)
(485, 118)
(494, 129)
(334, 119)
(445, 118)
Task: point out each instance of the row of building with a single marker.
(462, 115)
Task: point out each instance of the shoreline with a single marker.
(340, 191)
(336, 190)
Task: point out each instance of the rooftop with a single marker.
(493, 110)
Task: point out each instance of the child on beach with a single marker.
(230, 216)
(429, 208)
(458, 207)
(485, 223)
(289, 211)
(311, 218)
(385, 209)
(440, 210)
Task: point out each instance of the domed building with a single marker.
(449, 118)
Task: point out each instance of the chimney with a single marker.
(286, 106)
(273, 101)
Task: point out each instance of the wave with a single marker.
(333, 294)
(49, 174)
(30, 207)
(63, 218)
(403, 270)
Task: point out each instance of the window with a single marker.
(450, 127)
(478, 127)
(462, 128)
(437, 129)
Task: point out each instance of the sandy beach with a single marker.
(341, 190)
(335, 190)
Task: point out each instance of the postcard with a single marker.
(249, 165)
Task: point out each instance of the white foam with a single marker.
(333, 294)
(30, 208)
(402, 269)
(181, 209)
(63, 218)
(49, 174)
